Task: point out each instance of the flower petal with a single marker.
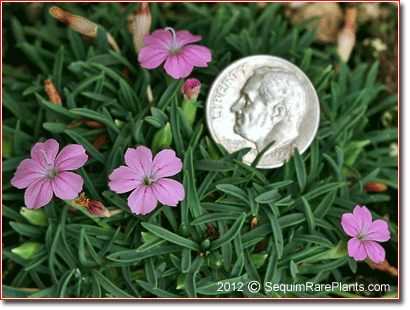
(38, 194)
(71, 157)
(350, 224)
(159, 37)
(151, 56)
(375, 251)
(165, 164)
(364, 217)
(67, 185)
(356, 249)
(45, 153)
(140, 160)
(124, 179)
(28, 172)
(142, 200)
(177, 67)
(168, 191)
(378, 231)
(185, 37)
(196, 55)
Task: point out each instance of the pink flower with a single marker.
(365, 233)
(147, 178)
(44, 174)
(170, 46)
(191, 89)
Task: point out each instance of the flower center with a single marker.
(51, 174)
(175, 47)
(148, 181)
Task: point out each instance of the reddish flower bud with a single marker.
(191, 89)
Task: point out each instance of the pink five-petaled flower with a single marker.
(365, 233)
(44, 174)
(171, 46)
(147, 178)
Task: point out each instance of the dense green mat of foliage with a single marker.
(175, 252)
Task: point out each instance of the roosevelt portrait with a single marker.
(270, 108)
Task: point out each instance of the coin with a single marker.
(260, 99)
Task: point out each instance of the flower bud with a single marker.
(183, 231)
(81, 25)
(215, 262)
(162, 138)
(52, 93)
(374, 187)
(27, 250)
(142, 26)
(347, 36)
(36, 217)
(190, 90)
(94, 207)
(205, 245)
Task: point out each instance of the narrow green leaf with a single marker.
(233, 231)
(234, 191)
(157, 292)
(63, 283)
(128, 97)
(190, 277)
(170, 236)
(150, 273)
(277, 232)
(214, 217)
(58, 69)
(300, 170)
(76, 44)
(314, 239)
(97, 117)
(169, 94)
(27, 230)
(185, 260)
(109, 286)
(87, 145)
(325, 205)
(268, 196)
(213, 165)
(55, 127)
(58, 110)
(309, 216)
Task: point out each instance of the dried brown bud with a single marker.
(81, 25)
(383, 266)
(52, 93)
(95, 207)
(254, 223)
(100, 140)
(374, 187)
(93, 124)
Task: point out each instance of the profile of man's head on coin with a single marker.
(270, 108)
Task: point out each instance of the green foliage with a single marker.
(208, 241)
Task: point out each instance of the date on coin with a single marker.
(260, 99)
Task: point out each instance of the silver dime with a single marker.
(260, 99)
